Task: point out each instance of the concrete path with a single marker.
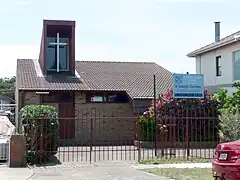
(72, 172)
(15, 173)
(95, 171)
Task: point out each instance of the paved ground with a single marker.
(108, 163)
(15, 174)
(70, 171)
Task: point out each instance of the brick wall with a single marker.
(17, 151)
(141, 105)
(26, 98)
(31, 98)
(103, 123)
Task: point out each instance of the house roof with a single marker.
(223, 42)
(136, 78)
(6, 98)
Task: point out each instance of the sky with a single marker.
(161, 31)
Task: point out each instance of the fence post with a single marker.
(41, 140)
(155, 115)
(91, 136)
(138, 139)
(187, 131)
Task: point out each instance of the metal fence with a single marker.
(104, 137)
(176, 139)
(188, 131)
(4, 150)
(7, 110)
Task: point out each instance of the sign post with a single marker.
(188, 86)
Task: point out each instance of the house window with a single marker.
(107, 97)
(57, 54)
(118, 98)
(236, 64)
(218, 66)
(96, 97)
(57, 97)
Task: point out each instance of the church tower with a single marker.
(57, 51)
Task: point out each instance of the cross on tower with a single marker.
(58, 44)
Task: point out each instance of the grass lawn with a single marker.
(183, 174)
(174, 160)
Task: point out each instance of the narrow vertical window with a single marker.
(218, 66)
(236, 64)
(57, 54)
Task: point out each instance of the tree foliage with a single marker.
(7, 86)
(40, 124)
(229, 109)
(7, 82)
(229, 126)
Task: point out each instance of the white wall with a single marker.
(205, 64)
(230, 90)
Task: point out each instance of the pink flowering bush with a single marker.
(169, 109)
(167, 105)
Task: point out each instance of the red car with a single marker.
(226, 162)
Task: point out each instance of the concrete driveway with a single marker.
(70, 171)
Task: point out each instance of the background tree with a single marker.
(229, 109)
(7, 86)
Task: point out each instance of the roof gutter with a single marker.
(142, 98)
(218, 45)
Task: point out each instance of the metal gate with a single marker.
(104, 137)
(181, 133)
(100, 139)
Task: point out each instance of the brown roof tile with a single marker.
(136, 78)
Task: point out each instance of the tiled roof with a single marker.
(6, 98)
(136, 78)
(223, 42)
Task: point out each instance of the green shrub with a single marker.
(229, 126)
(146, 124)
(40, 120)
(229, 110)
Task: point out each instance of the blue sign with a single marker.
(188, 86)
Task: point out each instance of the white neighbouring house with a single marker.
(219, 61)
